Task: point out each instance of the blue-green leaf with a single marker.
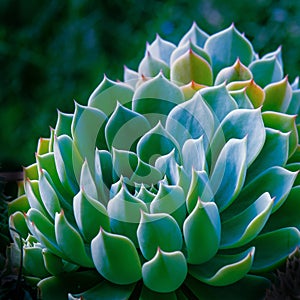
(165, 272)
(116, 258)
(273, 248)
(245, 226)
(202, 232)
(124, 128)
(229, 172)
(196, 35)
(155, 98)
(107, 94)
(223, 270)
(158, 230)
(191, 119)
(226, 46)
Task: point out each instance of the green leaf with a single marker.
(33, 262)
(91, 120)
(193, 155)
(90, 215)
(116, 258)
(64, 157)
(226, 46)
(223, 270)
(158, 230)
(17, 220)
(131, 77)
(165, 272)
(248, 288)
(277, 181)
(288, 214)
(124, 211)
(155, 98)
(161, 49)
(63, 124)
(151, 66)
(284, 123)
(241, 98)
(266, 71)
(108, 93)
(294, 106)
(19, 204)
(155, 143)
(245, 226)
(229, 172)
(124, 128)
(202, 232)
(195, 35)
(238, 124)
(273, 248)
(48, 194)
(273, 153)
(191, 67)
(170, 200)
(53, 264)
(43, 231)
(219, 100)
(69, 239)
(87, 182)
(107, 291)
(236, 72)
(58, 287)
(184, 48)
(43, 146)
(278, 96)
(199, 188)
(191, 119)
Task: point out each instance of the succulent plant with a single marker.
(178, 183)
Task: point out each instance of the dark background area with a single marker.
(52, 52)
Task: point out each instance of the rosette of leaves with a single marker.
(178, 183)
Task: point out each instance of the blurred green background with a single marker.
(52, 52)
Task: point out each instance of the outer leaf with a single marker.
(116, 258)
(196, 35)
(124, 128)
(87, 181)
(155, 143)
(53, 264)
(191, 67)
(226, 46)
(33, 262)
(278, 96)
(90, 215)
(191, 119)
(269, 253)
(63, 124)
(245, 226)
(229, 172)
(284, 123)
(158, 230)
(199, 188)
(276, 181)
(150, 66)
(107, 94)
(155, 98)
(91, 120)
(273, 153)
(161, 49)
(266, 71)
(171, 200)
(193, 155)
(236, 72)
(238, 124)
(165, 272)
(288, 214)
(58, 287)
(124, 211)
(69, 239)
(219, 100)
(224, 270)
(107, 291)
(202, 230)
(248, 288)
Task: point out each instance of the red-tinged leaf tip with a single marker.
(158, 250)
(41, 171)
(125, 67)
(194, 24)
(118, 80)
(101, 230)
(286, 78)
(157, 36)
(62, 212)
(148, 54)
(143, 77)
